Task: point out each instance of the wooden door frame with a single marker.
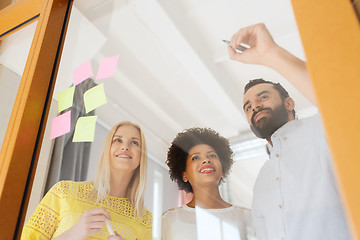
(329, 32)
(21, 145)
(18, 15)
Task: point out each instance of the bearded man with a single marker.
(296, 195)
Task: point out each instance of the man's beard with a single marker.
(267, 125)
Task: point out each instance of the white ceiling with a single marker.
(173, 71)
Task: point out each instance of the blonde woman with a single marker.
(80, 210)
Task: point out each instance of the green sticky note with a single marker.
(85, 129)
(65, 98)
(94, 97)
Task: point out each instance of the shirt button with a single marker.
(277, 179)
(277, 155)
(280, 206)
(285, 138)
(282, 238)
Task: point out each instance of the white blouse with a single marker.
(197, 223)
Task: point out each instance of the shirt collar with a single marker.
(283, 131)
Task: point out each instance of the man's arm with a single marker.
(264, 51)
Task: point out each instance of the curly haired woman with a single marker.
(199, 159)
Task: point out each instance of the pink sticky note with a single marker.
(107, 67)
(83, 72)
(60, 125)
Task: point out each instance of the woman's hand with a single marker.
(90, 223)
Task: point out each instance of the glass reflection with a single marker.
(173, 73)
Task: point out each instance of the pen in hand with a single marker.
(109, 228)
(240, 47)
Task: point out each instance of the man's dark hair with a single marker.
(283, 93)
(184, 141)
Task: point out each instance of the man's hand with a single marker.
(264, 51)
(260, 41)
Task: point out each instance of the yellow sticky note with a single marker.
(65, 98)
(85, 129)
(94, 97)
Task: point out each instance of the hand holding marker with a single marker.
(109, 228)
(240, 47)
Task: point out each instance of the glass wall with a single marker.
(165, 67)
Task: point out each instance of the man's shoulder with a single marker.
(314, 119)
(311, 125)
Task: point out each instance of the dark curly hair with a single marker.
(184, 141)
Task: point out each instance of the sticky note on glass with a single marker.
(94, 97)
(85, 129)
(60, 125)
(83, 72)
(107, 67)
(65, 98)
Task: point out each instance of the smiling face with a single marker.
(265, 110)
(203, 166)
(125, 149)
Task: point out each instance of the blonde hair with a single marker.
(136, 188)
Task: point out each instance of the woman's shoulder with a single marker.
(71, 188)
(146, 219)
(177, 210)
(68, 184)
(169, 211)
(241, 210)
